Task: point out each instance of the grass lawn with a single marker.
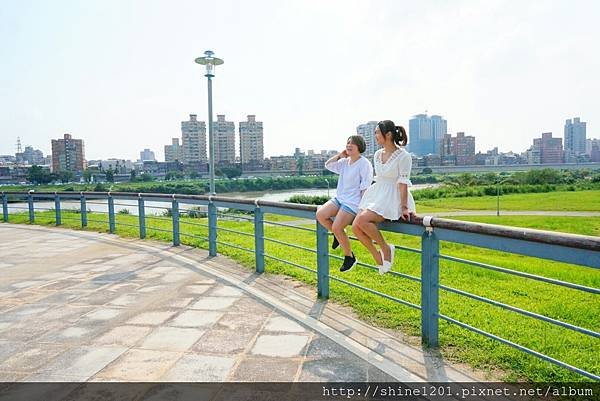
(559, 201)
(457, 344)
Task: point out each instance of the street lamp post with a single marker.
(209, 61)
(327, 181)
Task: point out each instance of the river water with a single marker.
(158, 208)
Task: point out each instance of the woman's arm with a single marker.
(404, 200)
(332, 164)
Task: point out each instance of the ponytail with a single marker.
(398, 132)
(400, 137)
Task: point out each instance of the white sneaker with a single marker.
(381, 268)
(387, 265)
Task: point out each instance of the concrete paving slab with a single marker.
(140, 365)
(281, 323)
(200, 368)
(152, 318)
(81, 363)
(123, 335)
(196, 318)
(260, 369)
(171, 339)
(224, 342)
(213, 303)
(285, 345)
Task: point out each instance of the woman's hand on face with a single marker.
(343, 154)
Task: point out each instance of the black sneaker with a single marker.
(349, 263)
(335, 243)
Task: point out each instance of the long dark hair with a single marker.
(398, 132)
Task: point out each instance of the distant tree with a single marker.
(66, 176)
(38, 175)
(133, 175)
(300, 164)
(87, 175)
(231, 172)
(110, 176)
(427, 170)
(194, 175)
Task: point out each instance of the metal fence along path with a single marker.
(567, 248)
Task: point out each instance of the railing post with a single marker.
(142, 216)
(259, 239)
(430, 276)
(83, 208)
(212, 228)
(111, 214)
(57, 209)
(322, 262)
(175, 215)
(4, 208)
(31, 209)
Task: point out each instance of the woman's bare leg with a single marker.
(325, 213)
(369, 227)
(359, 220)
(342, 219)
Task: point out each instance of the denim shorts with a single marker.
(343, 206)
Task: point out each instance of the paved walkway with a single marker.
(83, 306)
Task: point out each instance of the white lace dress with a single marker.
(383, 197)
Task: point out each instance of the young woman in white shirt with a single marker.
(389, 197)
(356, 175)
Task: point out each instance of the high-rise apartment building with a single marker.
(426, 134)
(251, 141)
(546, 150)
(367, 131)
(174, 151)
(147, 155)
(458, 150)
(193, 138)
(575, 137)
(68, 154)
(224, 140)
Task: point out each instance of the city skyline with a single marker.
(500, 76)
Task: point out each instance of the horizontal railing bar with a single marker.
(290, 226)
(403, 275)
(520, 347)
(183, 221)
(194, 236)
(522, 311)
(291, 245)
(559, 253)
(235, 246)
(289, 263)
(522, 274)
(97, 221)
(237, 216)
(381, 294)
(159, 229)
(229, 230)
(154, 217)
(126, 224)
(194, 211)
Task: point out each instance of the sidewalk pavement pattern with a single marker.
(81, 306)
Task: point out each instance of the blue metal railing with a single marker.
(567, 248)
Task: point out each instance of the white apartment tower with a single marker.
(174, 151)
(193, 134)
(367, 131)
(224, 137)
(251, 141)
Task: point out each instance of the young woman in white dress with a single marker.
(356, 175)
(389, 197)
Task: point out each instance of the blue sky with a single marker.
(121, 74)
